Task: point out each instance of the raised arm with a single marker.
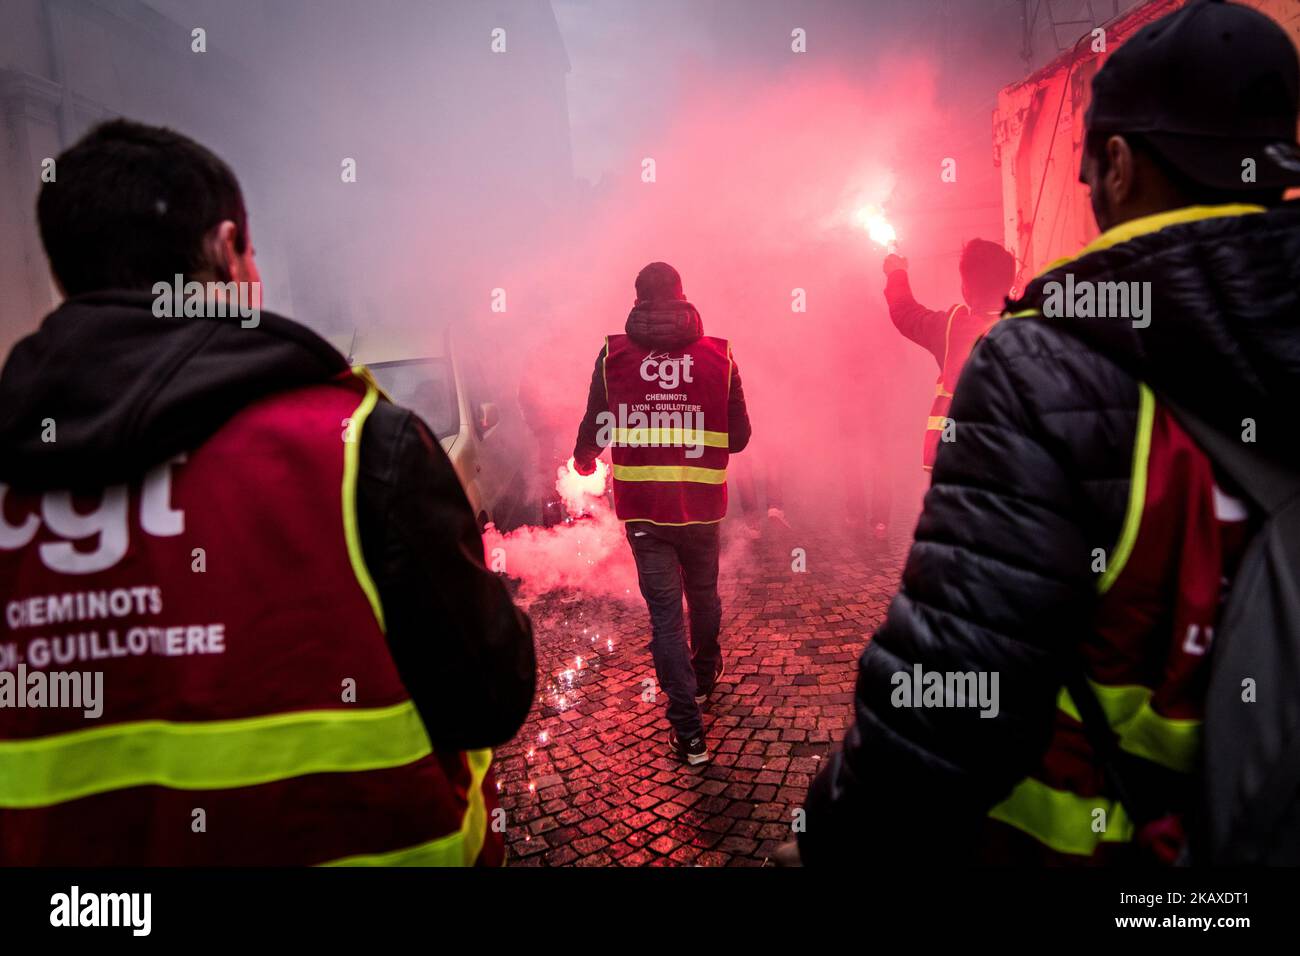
(926, 327)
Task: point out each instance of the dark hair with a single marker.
(658, 282)
(1192, 192)
(130, 206)
(987, 269)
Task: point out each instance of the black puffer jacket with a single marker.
(999, 577)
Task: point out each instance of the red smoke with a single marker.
(757, 185)
(587, 552)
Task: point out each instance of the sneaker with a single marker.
(702, 697)
(777, 516)
(694, 751)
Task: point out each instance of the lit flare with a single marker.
(577, 491)
(879, 229)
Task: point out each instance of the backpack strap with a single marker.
(1270, 485)
(1103, 741)
(1138, 789)
(1246, 802)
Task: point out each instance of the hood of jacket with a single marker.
(670, 324)
(1222, 323)
(125, 390)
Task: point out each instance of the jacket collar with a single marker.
(1144, 225)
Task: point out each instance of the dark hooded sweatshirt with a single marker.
(128, 390)
(999, 576)
(668, 324)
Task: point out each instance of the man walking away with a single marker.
(667, 400)
(987, 271)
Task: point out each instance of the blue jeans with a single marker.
(670, 560)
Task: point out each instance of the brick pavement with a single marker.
(589, 780)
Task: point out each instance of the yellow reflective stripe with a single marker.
(1175, 217)
(947, 334)
(1022, 315)
(941, 391)
(351, 467)
(1137, 489)
(455, 849)
(363, 373)
(604, 370)
(936, 423)
(474, 826)
(692, 473)
(669, 437)
(1172, 742)
(1062, 820)
(1154, 223)
(208, 755)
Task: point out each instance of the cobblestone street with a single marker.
(589, 780)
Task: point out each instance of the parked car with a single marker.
(479, 428)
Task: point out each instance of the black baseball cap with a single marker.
(1208, 87)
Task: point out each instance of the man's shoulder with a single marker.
(394, 442)
(388, 421)
(1050, 368)
(1032, 336)
(1053, 397)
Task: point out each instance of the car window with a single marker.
(475, 387)
(426, 387)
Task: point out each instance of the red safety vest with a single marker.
(251, 711)
(1147, 660)
(667, 430)
(964, 329)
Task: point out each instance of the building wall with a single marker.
(1038, 136)
(1055, 24)
(283, 92)
(65, 65)
(29, 107)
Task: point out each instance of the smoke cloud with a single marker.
(517, 163)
